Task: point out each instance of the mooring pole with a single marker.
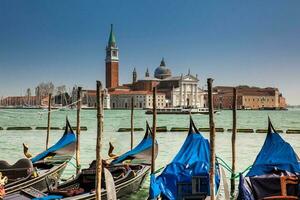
(78, 130)
(99, 140)
(48, 123)
(131, 123)
(212, 140)
(153, 131)
(233, 138)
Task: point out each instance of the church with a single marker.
(172, 91)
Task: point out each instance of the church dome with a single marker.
(162, 71)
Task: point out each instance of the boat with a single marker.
(274, 173)
(129, 172)
(181, 110)
(187, 176)
(43, 171)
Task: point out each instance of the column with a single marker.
(185, 95)
(180, 95)
(196, 97)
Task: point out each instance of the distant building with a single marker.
(112, 62)
(19, 101)
(249, 98)
(24, 101)
(177, 90)
(89, 99)
(121, 99)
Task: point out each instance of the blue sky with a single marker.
(235, 42)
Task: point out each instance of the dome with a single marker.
(162, 71)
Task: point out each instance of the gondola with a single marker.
(43, 171)
(129, 171)
(274, 173)
(187, 176)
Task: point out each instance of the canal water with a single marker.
(248, 144)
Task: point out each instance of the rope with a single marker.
(239, 174)
(224, 164)
(66, 106)
(74, 165)
(159, 170)
(228, 168)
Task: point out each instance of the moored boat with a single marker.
(181, 110)
(187, 176)
(274, 173)
(43, 171)
(129, 172)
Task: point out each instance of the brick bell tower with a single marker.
(112, 61)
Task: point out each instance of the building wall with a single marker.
(112, 74)
(89, 99)
(144, 85)
(20, 101)
(257, 102)
(282, 102)
(187, 94)
(248, 98)
(123, 101)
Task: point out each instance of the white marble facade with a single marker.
(188, 93)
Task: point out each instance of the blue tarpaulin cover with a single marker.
(192, 160)
(275, 155)
(144, 145)
(49, 197)
(67, 138)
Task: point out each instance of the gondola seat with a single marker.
(194, 190)
(284, 181)
(21, 169)
(88, 176)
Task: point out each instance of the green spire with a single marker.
(112, 39)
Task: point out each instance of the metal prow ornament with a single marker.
(25, 151)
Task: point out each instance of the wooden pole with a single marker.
(233, 138)
(131, 123)
(153, 131)
(212, 140)
(99, 140)
(48, 123)
(78, 130)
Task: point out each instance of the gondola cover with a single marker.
(142, 151)
(64, 147)
(193, 159)
(276, 158)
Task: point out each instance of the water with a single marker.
(248, 145)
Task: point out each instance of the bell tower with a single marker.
(112, 62)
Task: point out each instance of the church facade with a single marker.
(173, 91)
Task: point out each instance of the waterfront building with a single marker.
(24, 101)
(178, 91)
(89, 99)
(249, 98)
(19, 101)
(121, 99)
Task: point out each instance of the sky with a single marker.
(234, 42)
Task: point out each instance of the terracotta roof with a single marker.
(246, 91)
(120, 92)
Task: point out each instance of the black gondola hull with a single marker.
(41, 183)
(122, 189)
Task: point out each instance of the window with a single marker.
(114, 53)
